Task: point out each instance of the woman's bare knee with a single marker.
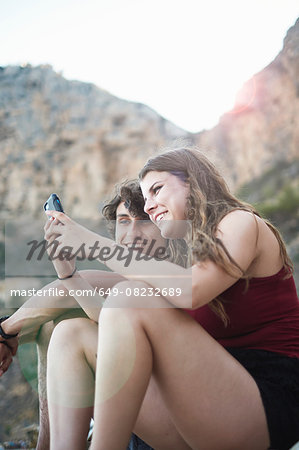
(154, 423)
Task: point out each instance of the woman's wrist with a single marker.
(68, 282)
(68, 276)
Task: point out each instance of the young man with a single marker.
(36, 319)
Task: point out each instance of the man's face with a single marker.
(136, 233)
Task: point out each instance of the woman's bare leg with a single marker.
(154, 424)
(212, 400)
(71, 363)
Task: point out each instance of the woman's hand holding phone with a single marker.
(72, 235)
(64, 266)
(68, 236)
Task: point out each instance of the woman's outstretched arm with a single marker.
(198, 285)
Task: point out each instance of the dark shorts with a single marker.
(277, 378)
(138, 444)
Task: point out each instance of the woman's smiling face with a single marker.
(165, 197)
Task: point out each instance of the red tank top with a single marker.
(265, 316)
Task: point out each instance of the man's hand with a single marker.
(5, 356)
(11, 343)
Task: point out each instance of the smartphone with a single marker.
(53, 204)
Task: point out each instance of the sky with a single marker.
(186, 59)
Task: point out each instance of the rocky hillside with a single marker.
(18, 396)
(77, 139)
(275, 194)
(263, 128)
(69, 137)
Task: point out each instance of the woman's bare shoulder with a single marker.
(246, 227)
(238, 220)
(246, 232)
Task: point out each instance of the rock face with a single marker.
(78, 140)
(18, 404)
(263, 128)
(69, 137)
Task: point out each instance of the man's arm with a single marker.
(38, 310)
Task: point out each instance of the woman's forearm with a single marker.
(158, 273)
(171, 280)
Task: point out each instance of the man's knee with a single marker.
(44, 334)
(69, 330)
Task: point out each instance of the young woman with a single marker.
(221, 370)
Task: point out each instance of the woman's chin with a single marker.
(173, 229)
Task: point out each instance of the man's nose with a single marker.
(135, 230)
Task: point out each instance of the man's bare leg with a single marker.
(71, 382)
(42, 342)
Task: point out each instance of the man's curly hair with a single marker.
(130, 193)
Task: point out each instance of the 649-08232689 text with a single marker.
(135, 292)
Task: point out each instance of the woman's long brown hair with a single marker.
(209, 201)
